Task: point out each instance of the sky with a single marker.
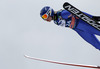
(22, 31)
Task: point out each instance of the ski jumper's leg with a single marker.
(89, 28)
(87, 33)
(93, 30)
(90, 38)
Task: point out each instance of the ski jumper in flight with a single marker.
(66, 19)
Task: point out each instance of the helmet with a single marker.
(46, 12)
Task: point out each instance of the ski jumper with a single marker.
(87, 32)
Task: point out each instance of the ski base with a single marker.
(61, 63)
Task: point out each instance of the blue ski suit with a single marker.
(87, 32)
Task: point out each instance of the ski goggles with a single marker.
(45, 16)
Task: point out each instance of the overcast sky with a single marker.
(22, 31)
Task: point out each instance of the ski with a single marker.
(61, 63)
(81, 15)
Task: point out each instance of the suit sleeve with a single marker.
(65, 14)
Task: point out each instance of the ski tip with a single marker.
(65, 4)
(26, 56)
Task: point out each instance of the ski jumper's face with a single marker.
(49, 19)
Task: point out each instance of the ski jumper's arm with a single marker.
(65, 14)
